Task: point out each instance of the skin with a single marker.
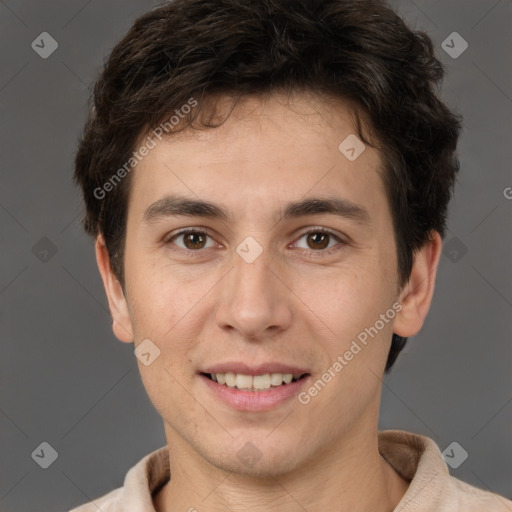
(294, 304)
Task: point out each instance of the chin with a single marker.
(253, 459)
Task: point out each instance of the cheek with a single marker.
(355, 348)
(345, 311)
(158, 298)
(342, 299)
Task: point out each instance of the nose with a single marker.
(255, 303)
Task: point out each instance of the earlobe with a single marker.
(416, 295)
(121, 322)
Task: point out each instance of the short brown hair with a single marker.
(358, 50)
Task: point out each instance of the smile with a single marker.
(262, 382)
(256, 393)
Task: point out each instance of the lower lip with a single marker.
(255, 400)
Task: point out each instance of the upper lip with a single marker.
(261, 369)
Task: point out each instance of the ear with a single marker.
(416, 295)
(121, 322)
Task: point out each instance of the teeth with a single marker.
(230, 379)
(256, 382)
(276, 379)
(243, 381)
(261, 381)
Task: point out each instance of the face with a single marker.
(261, 282)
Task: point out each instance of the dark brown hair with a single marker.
(357, 50)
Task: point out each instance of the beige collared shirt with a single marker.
(416, 458)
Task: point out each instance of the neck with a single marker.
(351, 476)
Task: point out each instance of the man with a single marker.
(268, 184)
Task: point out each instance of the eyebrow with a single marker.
(174, 205)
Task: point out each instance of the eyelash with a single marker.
(191, 253)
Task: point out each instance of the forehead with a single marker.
(267, 148)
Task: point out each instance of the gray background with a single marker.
(64, 377)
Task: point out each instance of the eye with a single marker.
(192, 240)
(319, 240)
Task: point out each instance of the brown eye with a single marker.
(194, 240)
(191, 240)
(318, 240)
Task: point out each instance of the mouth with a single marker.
(254, 388)
(263, 382)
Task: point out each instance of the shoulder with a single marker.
(419, 460)
(140, 482)
(473, 499)
(110, 502)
